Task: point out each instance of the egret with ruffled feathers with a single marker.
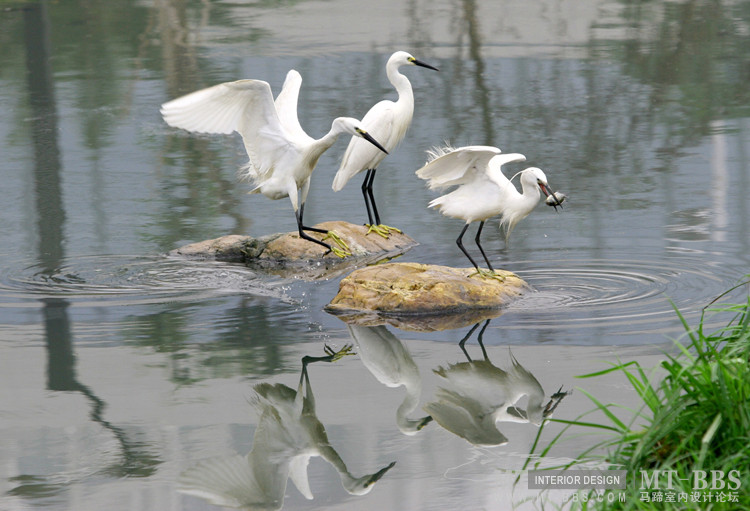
(482, 190)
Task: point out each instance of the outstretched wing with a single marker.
(244, 106)
(495, 170)
(450, 167)
(228, 481)
(221, 108)
(286, 104)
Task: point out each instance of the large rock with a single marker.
(423, 297)
(287, 253)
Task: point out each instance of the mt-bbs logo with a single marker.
(701, 479)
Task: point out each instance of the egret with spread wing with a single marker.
(281, 155)
(388, 122)
(482, 190)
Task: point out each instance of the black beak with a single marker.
(423, 64)
(547, 193)
(371, 140)
(374, 478)
(545, 189)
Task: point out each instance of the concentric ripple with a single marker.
(606, 292)
(106, 279)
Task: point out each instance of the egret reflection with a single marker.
(475, 395)
(287, 436)
(388, 360)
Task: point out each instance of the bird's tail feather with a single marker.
(339, 181)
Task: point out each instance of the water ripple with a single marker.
(107, 279)
(597, 292)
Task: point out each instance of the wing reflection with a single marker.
(386, 357)
(288, 435)
(476, 395)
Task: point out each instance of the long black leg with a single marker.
(313, 229)
(479, 340)
(364, 194)
(466, 338)
(304, 235)
(476, 240)
(460, 244)
(331, 356)
(371, 173)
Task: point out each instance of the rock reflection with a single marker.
(287, 436)
(388, 360)
(476, 395)
(417, 322)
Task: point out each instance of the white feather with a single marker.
(447, 166)
(387, 121)
(281, 155)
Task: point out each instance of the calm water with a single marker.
(121, 368)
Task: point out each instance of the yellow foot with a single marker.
(488, 274)
(336, 355)
(382, 230)
(341, 252)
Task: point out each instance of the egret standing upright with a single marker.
(483, 190)
(388, 122)
(281, 155)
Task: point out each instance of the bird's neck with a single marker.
(526, 200)
(519, 205)
(318, 147)
(530, 191)
(402, 85)
(411, 400)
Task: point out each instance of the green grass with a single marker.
(694, 416)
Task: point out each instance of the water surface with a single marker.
(121, 367)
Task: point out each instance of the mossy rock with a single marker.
(423, 297)
(287, 254)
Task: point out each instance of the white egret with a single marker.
(388, 122)
(482, 190)
(476, 395)
(388, 360)
(281, 155)
(288, 434)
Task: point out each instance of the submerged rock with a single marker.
(233, 248)
(423, 297)
(288, 253)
